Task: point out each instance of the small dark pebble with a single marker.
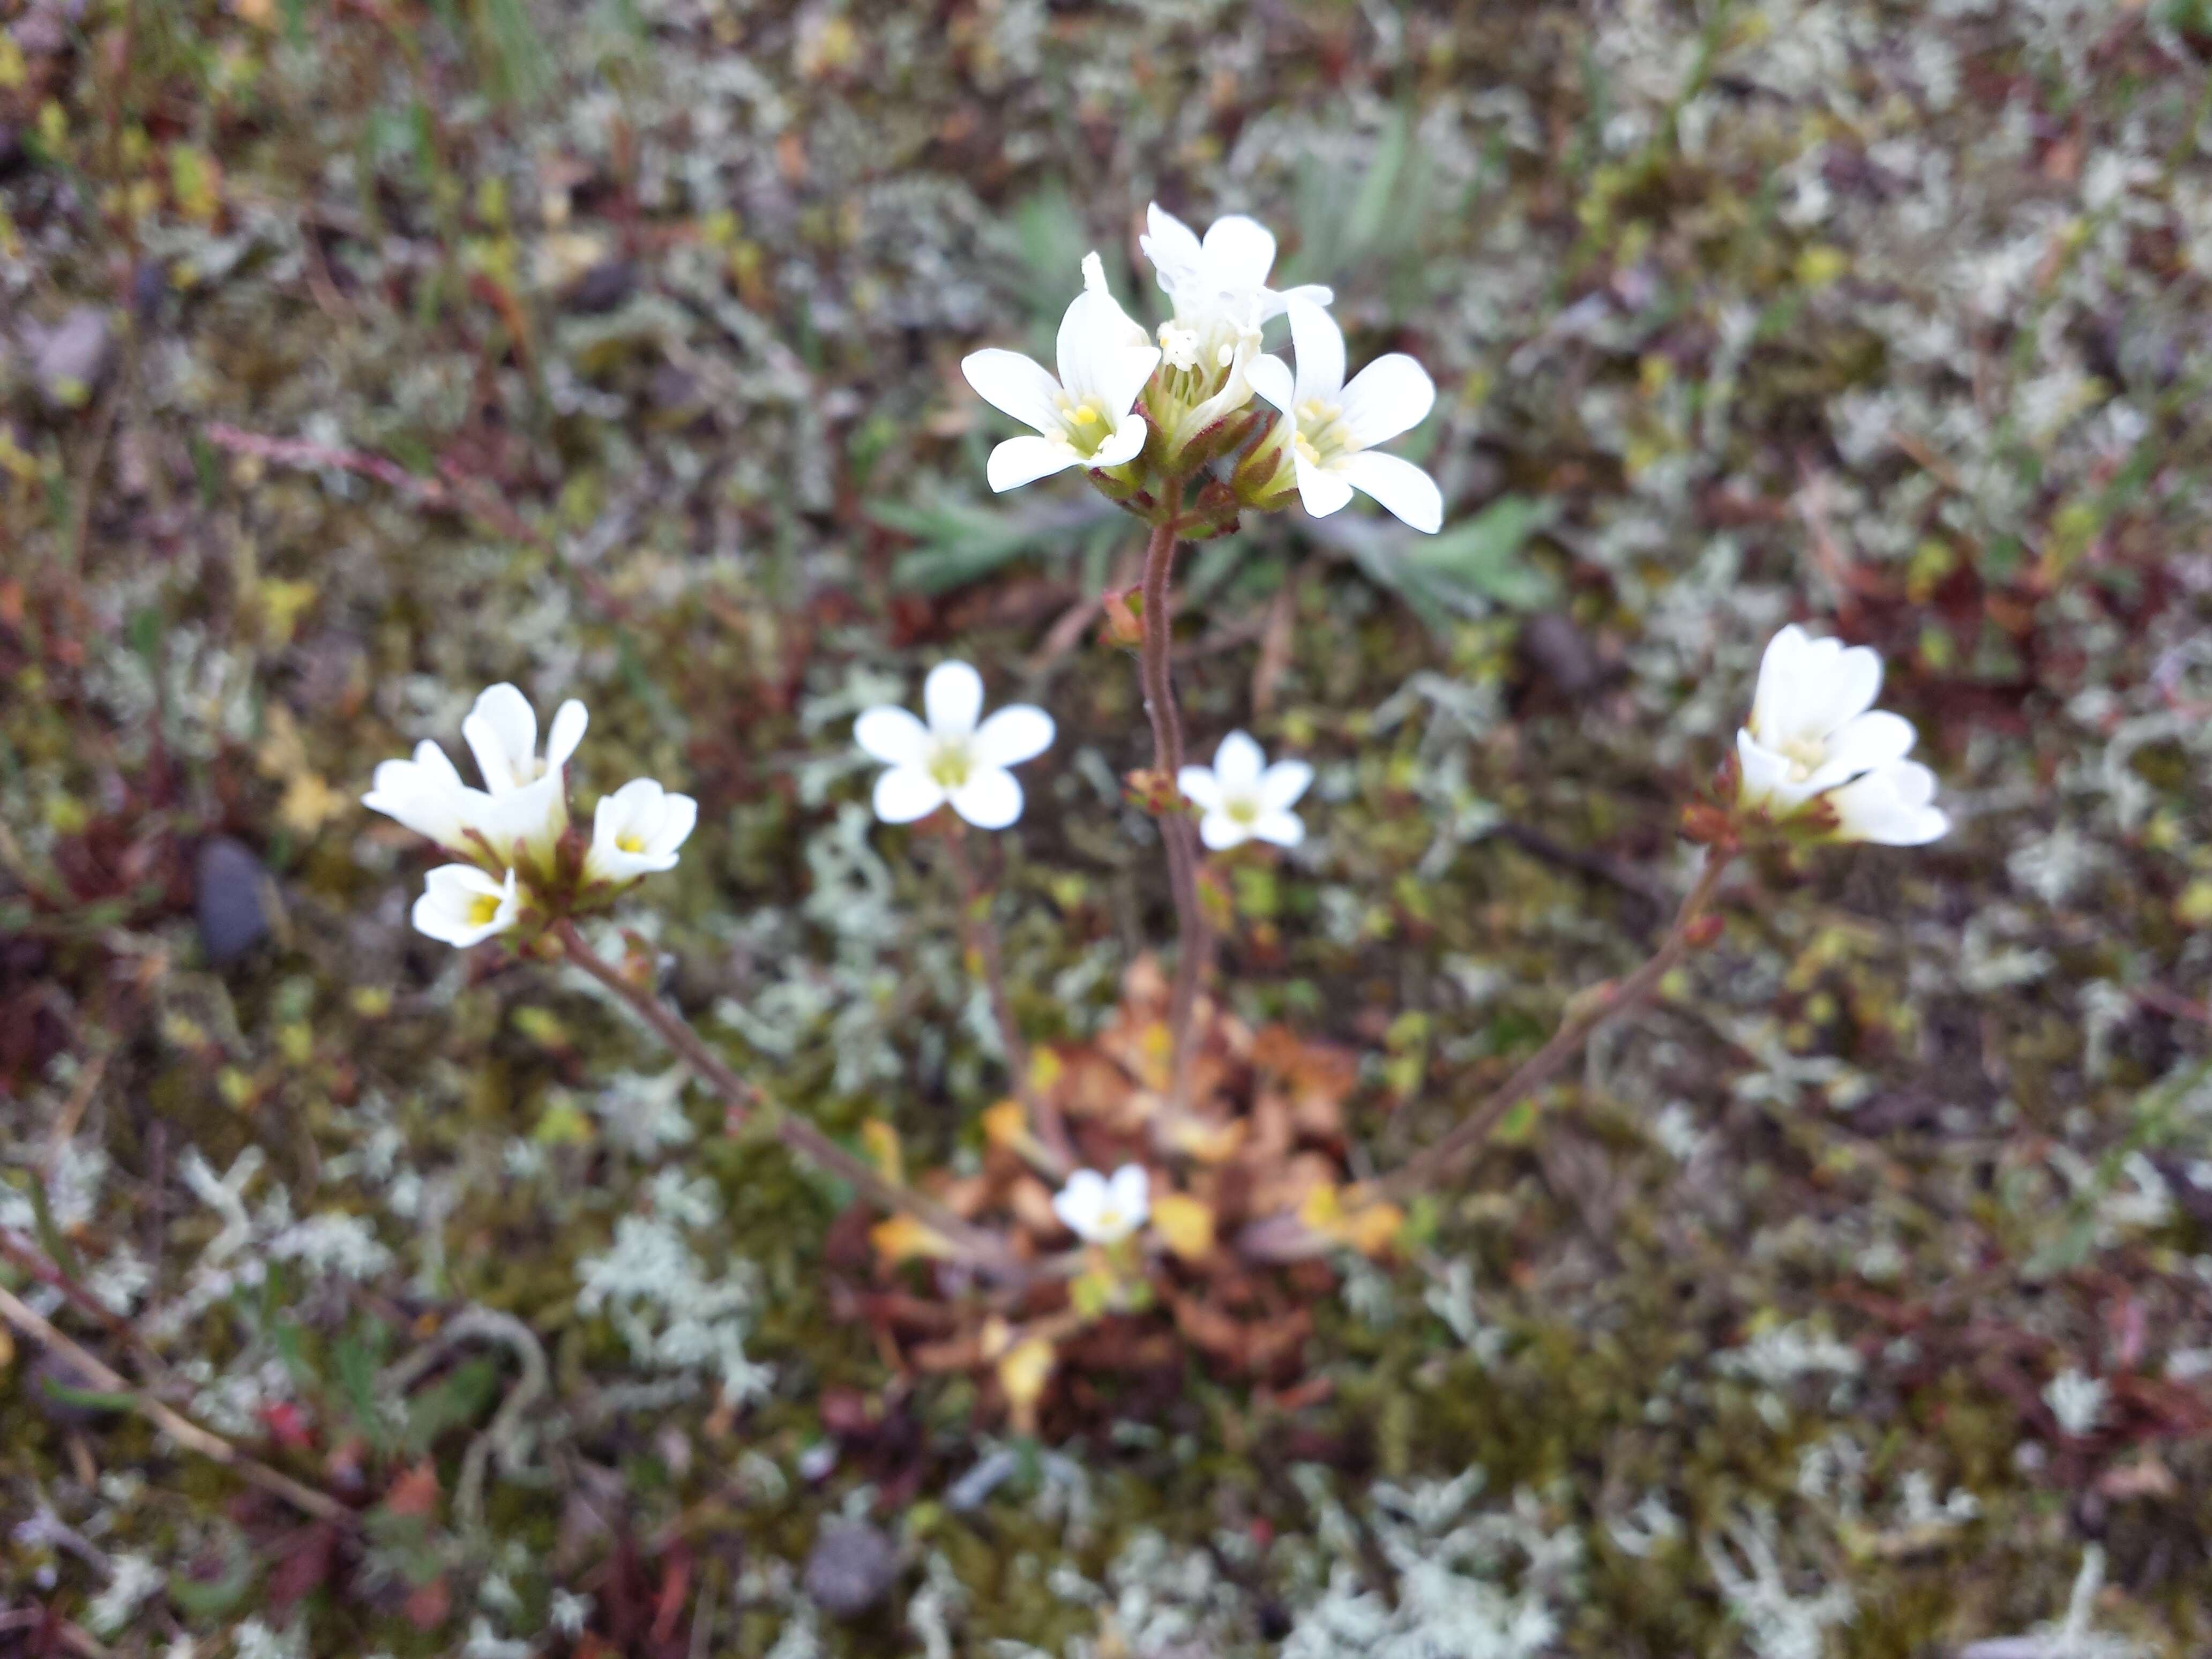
(230, 894)
(148, 282)
(604, 287)
(850, 1569)
(1562, 654)
(11, 148)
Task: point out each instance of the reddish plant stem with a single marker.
(742, 1102)
(1177, 832)
(983, 938)
(1430, 1166)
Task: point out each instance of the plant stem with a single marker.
(1598, 1005)
(983, 938)
(1177, 832)
(741, 1101)
(182, 1429)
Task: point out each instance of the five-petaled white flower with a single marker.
(1334, 428)
(952, 758)
(1815, 732)
(1241, 798)
(426, 794)
(463, 906)
(1086, 417)
(523, 807)
(637, 830)
(1099, 1211)
(1218, 286)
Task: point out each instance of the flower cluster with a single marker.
(522, 860)
(1817, 756)
(1150, 422)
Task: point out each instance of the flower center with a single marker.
(951, 765)
(630, 841)
(1322, 437)
(1083, 425)
(1805, 755)
(483, 909)
(1107, 1220)
(1241, 808)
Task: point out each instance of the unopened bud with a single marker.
(1152, 791)
(1703, 931)
(1705, 823)
(1727, 778)
(1125, 617)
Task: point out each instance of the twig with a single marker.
(1600, 1005)
(1177, 832)
(742, 1102)
(182, 1429)
(983, 938)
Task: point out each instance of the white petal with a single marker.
(501, 732)
(1311, 294)
(1319, 345)
(1284, 828)
(1171, 246)
(1238, 252)
(1777, 670)
(1220, 832)
(1391, 395)
(1282, 784)
(892, 736)
(1200, 786)
(1399, 485)
(1024, 460)
(679, 817)
(1127, 439)
(990, 799)
(522, 824)
(1890, 807)
(1322, 491)
(450, 896)
(1873, 739)
(1078, 1203)
(569, 720)
(1124, 371)
(1271, 379)
(1130, 1192)
(1765, 776)
(906, 793)
(1016, 733)
(1847, 691)
(1014, 384)
(953, 694)
(1238, 762)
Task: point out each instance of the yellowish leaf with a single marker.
(901, 1236)
(309, 803)
(1023, 1370)
(1006, 1124)
(1185, 1223)
(882, 1142)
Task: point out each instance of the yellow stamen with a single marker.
(483, 909)
(632, 843)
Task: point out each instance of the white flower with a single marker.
(1813, 730)
(1085, 418)
(1242, 798)
(636, 831)
(523, 807)
(1218, 286)
(463, 906)
(1333, 427)
(1098, 1211)
(427, 795)
(952, 758)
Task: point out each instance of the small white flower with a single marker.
(1099, 1211)
(1244, 798)
(1813, 730)
(1087, 417)
(427, 795)
(523, 807)
(1334, 428)
(463, 906)
(637, 831)
(952, 758)
(1218, 286)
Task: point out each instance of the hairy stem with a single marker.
(1177, 832)
(742, 1102)
(182, 1429)
(1431, 1165)
(983, 938)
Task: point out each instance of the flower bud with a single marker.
(1124, 625)
(1267, 478)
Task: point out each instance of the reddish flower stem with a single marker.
(1177, 831)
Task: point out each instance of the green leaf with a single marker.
(1470, 568)
(457, 1399)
